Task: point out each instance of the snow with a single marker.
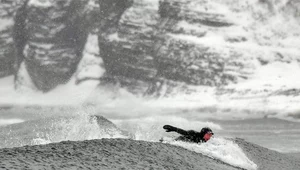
(257, 92)
(115, 37)
(40, 3)
(209, 39)
(90, 64)
(273, 76)
(150, 4)
(187, 26)
(5, 23)
(216, 41)
(208, 7)
(93, 4)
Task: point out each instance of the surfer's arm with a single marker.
(170, 128)
(182, 132)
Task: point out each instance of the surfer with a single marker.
(191, 136)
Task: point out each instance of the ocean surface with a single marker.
(31, 118)
(38, 125)
(20, 124)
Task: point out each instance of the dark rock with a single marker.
(55, 37)
(6, 52)
(144, 53)
(293, 7)
(127, 45)
(183, 60)
(8, 10)
(148, 47)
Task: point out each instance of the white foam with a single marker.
(276, 75)
(77, 128)
(68, 94)
(5, 23)
(221, 149)
(10, 121)
(40, 141)
(90, 64)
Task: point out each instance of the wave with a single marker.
(83, 126)
(10, 121)
(222, 149)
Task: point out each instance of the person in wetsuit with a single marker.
(191, 136)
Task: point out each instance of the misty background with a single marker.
(231, 65)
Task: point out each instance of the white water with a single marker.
(148, 128)
(143, 118)
(222, 149)
(79, 127)
(10, 121)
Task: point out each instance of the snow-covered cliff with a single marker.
(155, 47)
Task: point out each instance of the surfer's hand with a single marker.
(169, 128)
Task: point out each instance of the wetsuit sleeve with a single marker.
(170, 128)
(182, 132)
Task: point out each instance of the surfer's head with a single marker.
(207, 133)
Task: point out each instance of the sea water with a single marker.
(45, 125)
(35, 119)
(221, 149)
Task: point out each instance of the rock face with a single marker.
(174, 43)
(126, 48)
(149, 50)
(48, 37)
(148, 45)
(7, 13)
(56, 35)
(6, 46)
(144, 53)
(182, 59)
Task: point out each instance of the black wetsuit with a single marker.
(188, 136)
